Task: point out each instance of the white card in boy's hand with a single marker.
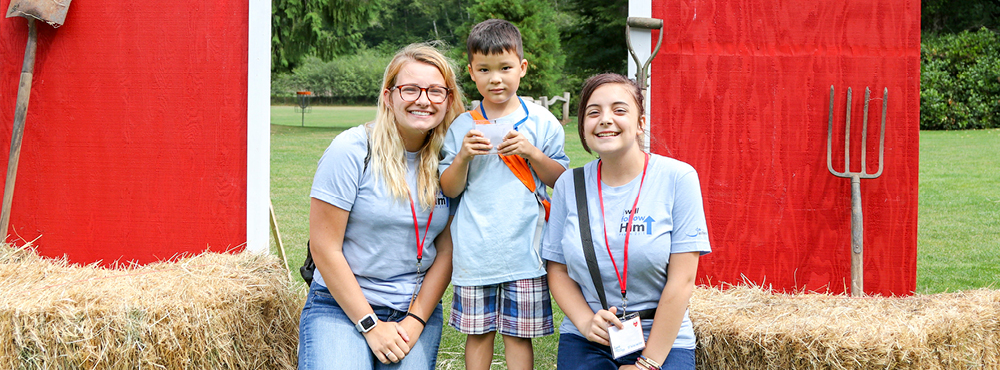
(628, 339)
(495, 132)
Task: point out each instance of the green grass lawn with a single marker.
(958, 227)
(958, 237)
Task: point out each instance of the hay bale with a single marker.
(212, 311)
(752, 328)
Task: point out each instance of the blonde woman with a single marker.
(378, 226)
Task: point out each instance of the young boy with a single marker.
(498, 273)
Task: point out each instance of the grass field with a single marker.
(958, 224)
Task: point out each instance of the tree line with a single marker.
(339, 47)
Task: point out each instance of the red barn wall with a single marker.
(135, 147)
(741, 90)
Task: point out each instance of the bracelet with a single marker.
(647, 363)
(421, 321)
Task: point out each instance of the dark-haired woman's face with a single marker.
(611, 120)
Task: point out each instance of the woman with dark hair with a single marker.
(378, 226)
(647, 222)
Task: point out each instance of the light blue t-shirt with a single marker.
(379, 243)
(494, 227)
(670, 218)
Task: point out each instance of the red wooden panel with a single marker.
(135, 145)
(741, 91)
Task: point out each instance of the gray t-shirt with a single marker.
(379, 243)
(494, 227)
(670, 218)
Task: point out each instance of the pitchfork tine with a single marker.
(829, 137)
(864, 134)
(847, 135)
(881, 140)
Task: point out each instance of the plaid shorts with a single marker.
(520, 308)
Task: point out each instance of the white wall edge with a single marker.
(259, 126)
(642, 43)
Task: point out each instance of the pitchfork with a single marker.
(857, 221)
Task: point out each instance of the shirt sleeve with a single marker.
(552, 241)
(339, 172)
(690, 228)
(553, 138)
(453, 140)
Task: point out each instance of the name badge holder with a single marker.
(629, 339)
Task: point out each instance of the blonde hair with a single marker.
(388, 152)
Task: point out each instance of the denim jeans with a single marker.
(329, 340)
(576, 352)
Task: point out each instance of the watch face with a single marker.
(367, 323)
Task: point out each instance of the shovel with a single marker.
(53, 13)
(642, 69)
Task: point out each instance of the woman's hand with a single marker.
(387, 341)
(474, 144)
(412, 327)
(597, 331)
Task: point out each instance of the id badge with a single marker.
(628, 339)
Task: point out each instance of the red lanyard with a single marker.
(416, 229)
(622, 277)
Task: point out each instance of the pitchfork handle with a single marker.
(857, 239)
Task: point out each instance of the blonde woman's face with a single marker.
(419, 116)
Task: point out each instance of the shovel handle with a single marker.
(642, 69)
(643, 22)
(20, 114)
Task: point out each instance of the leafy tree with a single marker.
(538, 23)
(322, 28)
(402, 22)
(960, 80)
(595, 41)
(959, 15)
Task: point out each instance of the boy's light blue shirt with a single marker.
(494, 227)
(670, 218)
(380, 243)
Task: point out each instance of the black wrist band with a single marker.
(421, 321)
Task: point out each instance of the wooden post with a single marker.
(277, 239)
(565, 117)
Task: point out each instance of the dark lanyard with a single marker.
(483, 111)
(416, 229)
(622, 277)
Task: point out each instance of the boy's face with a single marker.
(497, 76)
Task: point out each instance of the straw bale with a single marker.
(211, 311)
(752, 328)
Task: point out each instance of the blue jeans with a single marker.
(576, 352)
(329, 340)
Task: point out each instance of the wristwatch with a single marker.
(366, 323)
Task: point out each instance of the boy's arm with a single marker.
(455, 177)
(548, 169)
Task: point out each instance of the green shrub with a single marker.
(345, 79)
(960, 80)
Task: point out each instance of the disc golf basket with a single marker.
(303, 98)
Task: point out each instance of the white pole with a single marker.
(642, 42)
(258, 125)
